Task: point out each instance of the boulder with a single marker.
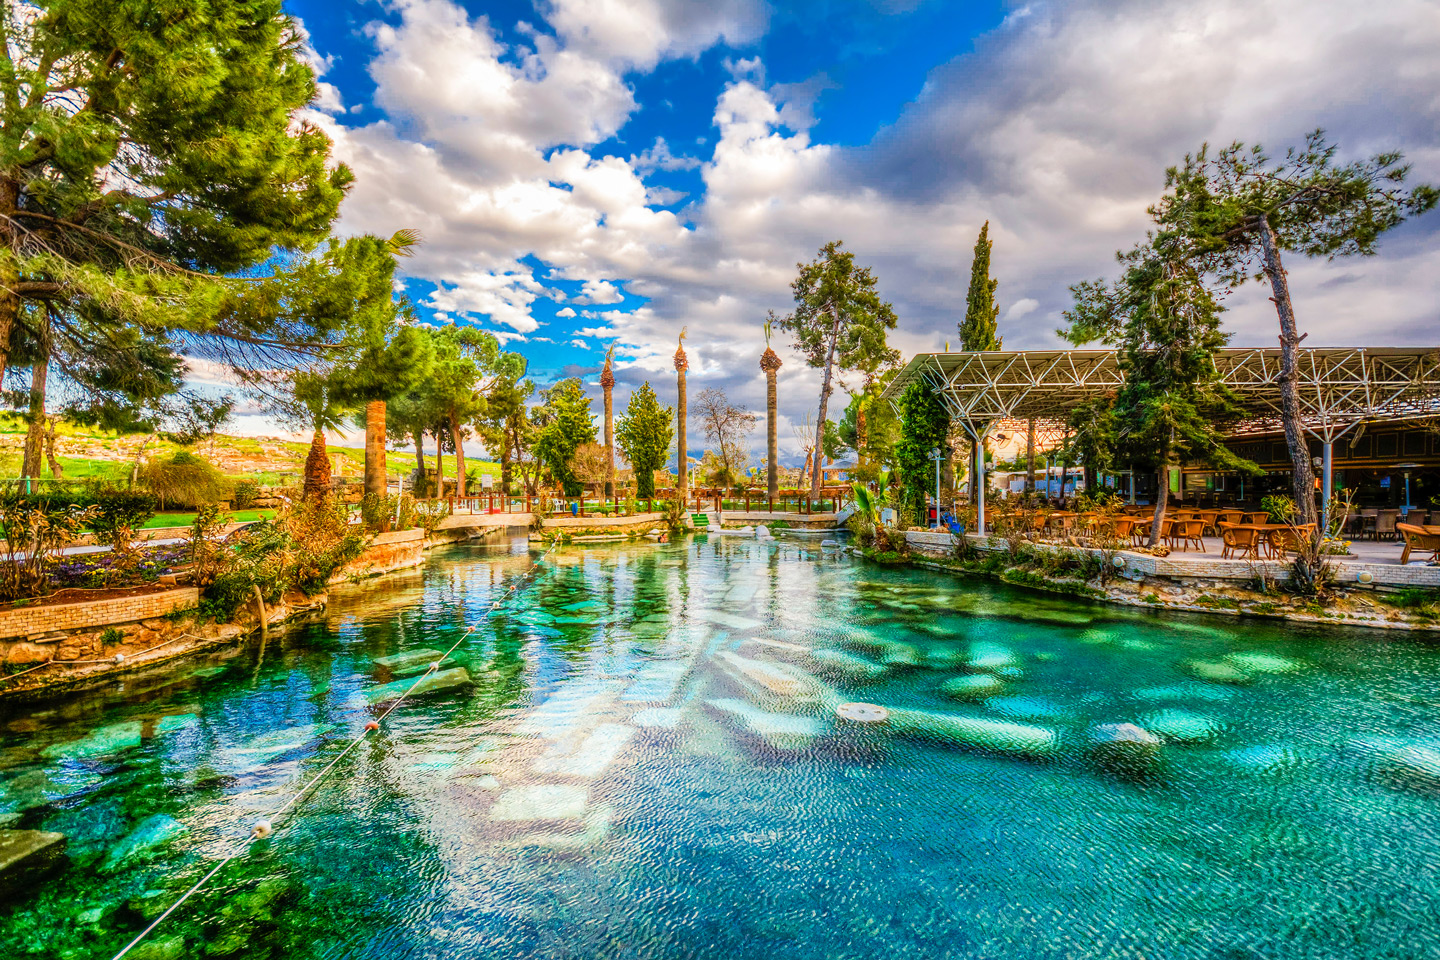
(26, 855)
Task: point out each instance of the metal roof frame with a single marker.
(1340, 387)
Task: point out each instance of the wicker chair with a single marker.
(1289, 539)
(1183, 533)
(1243, 542)
(1417, 539)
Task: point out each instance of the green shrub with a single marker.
(184, 480)
(245, 494)
(1280, 508)
(120, 513)
(109, 637)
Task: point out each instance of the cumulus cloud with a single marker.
(1056, 128)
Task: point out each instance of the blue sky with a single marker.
(589, 172)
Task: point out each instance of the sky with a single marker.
(595, 172)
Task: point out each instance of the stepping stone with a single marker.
(545, 801)
(26, 855)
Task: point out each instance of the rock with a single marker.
(1216, 671)
(1182, 726)
(1264, 663)
(99, 742)
(255, 905)
(846, 665)
(546, 801)
(24, 653)
(991, 735)
(443, 680)
(780, 731)
(26, 855)
(152, 833)
(1125, 749)
(976, 687)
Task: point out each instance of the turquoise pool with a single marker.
(646, 762)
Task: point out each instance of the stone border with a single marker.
(38, 621)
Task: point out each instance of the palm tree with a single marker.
(770, 363)
(402, 243)
(607, 383)
(682, 363)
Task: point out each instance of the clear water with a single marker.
(1307, 824)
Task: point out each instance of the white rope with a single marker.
(264, 828)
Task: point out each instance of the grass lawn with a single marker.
(185, 519)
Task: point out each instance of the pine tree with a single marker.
(144, 153)
(569, 425)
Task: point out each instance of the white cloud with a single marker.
(566, 312)
(1056, 128)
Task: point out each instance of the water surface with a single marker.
(615, 784)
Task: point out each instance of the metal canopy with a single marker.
(1339, 386)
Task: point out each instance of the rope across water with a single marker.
(263, 828)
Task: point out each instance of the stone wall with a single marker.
(640, 523)
(801, 521)
(31, 622)
(395, 550)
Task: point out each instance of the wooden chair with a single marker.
(1238, 541)
(1229, 516)
(1417, 539)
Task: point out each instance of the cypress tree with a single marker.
(977, 330)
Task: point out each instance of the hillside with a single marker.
(85, 452)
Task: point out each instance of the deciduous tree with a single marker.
(839, 323)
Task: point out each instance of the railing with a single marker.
(699, 500)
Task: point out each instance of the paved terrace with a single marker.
(1380, 560)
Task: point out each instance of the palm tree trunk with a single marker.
(682, 467)
(375, 447)
(825, 389)
(35, 436)
(772, 444)
(608, 382)
(1302, 476)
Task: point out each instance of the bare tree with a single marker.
(729, 428)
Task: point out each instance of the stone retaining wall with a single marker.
(41, 620)
(640, 523)
(800, 521)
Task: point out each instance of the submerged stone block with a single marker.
(1264, 663)
(26, 855)
(543, 801)
(1182, 726)
(408, 659)
(142, 843)
(1125, 748)
(976, 687)
(593, 756)
(991, 658)
(992, 735)
(1412, 765)
(1216, 671)
(777, 680)
(99, 742)
(443, 680)
(781, 731)
(846, 665)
